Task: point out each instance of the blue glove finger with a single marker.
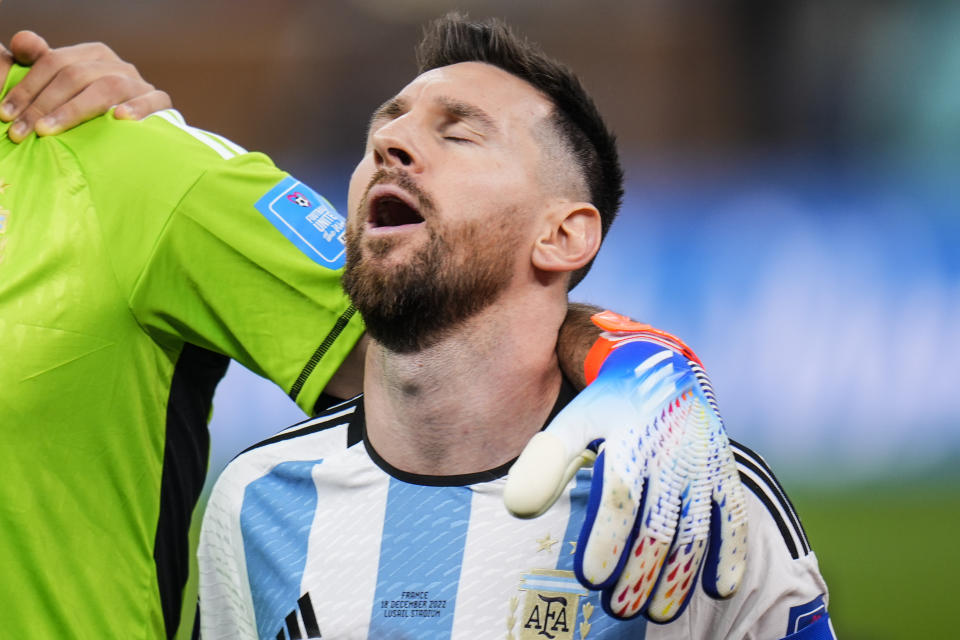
(693, 415)
(644, 449)
(603, 546)
(726, 557)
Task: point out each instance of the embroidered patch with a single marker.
(307, 220)
(550, 607)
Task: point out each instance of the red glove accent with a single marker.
(619, 329)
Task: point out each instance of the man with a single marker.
(135, 258)
(483, 195)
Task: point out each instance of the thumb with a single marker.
(28, 47)
(539, 475)
(552, 457)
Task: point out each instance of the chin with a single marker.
(387, 254)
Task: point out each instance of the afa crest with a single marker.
(551, 603)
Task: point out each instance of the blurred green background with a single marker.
(791, 212)
(886, 550)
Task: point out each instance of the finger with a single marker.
(629, 597)
(53, 93)
(693, 416)
(92, 101)
(610, 526)
(644, 390)
(20, 97)
(6, 59)
(540, 474)
(669, 519)
(676, 585)
(27, 47)
(654, 531)
(140, 107)
(23, 125)
(49, 66)
(726, 557)
(552, 457)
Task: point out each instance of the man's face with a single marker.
(444, 203)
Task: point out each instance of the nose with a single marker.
(393, 146)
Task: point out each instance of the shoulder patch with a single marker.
(307, 220)
(803, 615)
(810, 621)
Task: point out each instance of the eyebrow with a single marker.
(392, 108)
(396, 107)
(466, 111)
(389, 110)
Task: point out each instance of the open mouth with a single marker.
(390, 210)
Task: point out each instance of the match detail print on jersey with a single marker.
(307, 220)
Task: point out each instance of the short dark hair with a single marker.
(454, 38)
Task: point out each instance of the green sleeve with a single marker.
(201, 263)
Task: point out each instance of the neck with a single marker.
(470, 402)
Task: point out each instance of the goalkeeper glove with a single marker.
(666, 498)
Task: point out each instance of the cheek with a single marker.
(358, 184)
(497, 199)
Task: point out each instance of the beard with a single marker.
(461, 271)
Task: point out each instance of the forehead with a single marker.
(502, 95)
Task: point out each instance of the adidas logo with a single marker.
(301, 623)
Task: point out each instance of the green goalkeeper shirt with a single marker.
(134, 258)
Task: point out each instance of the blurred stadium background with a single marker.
(791, 212)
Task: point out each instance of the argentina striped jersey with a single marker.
(311, 534)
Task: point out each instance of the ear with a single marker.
(569, 239)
